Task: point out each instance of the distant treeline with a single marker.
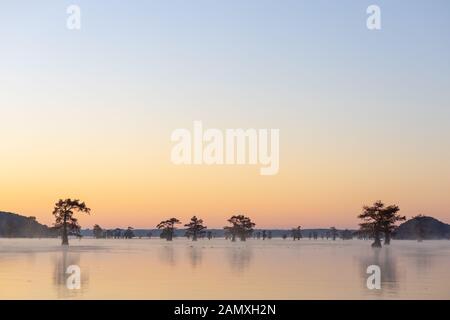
(16, 226)
(418, 228)
(216, 233)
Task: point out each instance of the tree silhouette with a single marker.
(97, 231)
(372, 222)
(334, 233)
(297, 233)
(64, 219)
(390, 218)
(378, 219)
(117, 233)
(129, 234)
(241, 226)
(168, 228)
(195, 228)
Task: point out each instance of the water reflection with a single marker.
(195, 255)
(423, 259)
(167, 255)
(386, 260)
(239, 257)
(63, 260)
(221, 269)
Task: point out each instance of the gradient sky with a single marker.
(363, 115)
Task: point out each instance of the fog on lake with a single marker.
(220, 269)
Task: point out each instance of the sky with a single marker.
(363, 114)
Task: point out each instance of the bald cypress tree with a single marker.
(378, 220)
(64, 218)
(168, 228)
(195, 228)
(241, 227)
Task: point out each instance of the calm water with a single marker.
(216, 269)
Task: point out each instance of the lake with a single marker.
(220, 269)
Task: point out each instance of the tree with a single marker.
(378, 219)
(117, 233)
(227, 234)
(195, 228)
(64, 219)
(297, 233)
(241, 226)
(97, 231)
(334, 233)
(372, 222)
(390, 218)
(129, 234)
(168, 228)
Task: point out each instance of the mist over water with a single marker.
(219, 269)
